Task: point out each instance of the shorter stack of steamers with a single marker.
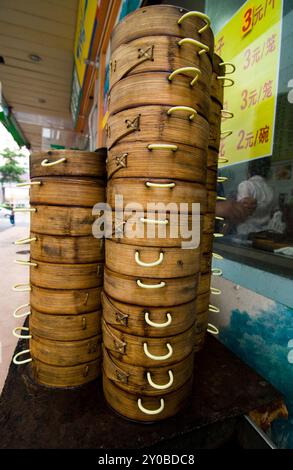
(163, 136)
(66, 268)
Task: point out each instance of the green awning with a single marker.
(11, 124)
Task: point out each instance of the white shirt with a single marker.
(257, 188)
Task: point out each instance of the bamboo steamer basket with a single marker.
(155, 88)
(159, 54)
(158, 229)
(151, 262)
(61, 220)
(144, 191)
(212, 198)
(64, 249)
(65, 327)
(65, 353)
(66, 276)
(68, 163)
(204, 283)
(202, 304)
(150, 381)
(162, 292)
(208, 224)
(135, 160)
(212, 160)
(215, 125)
(211, 179)
(65, 301)
(64, 191)
(160, 20)
(150, 321)
(151, 408)
(205, 263)
(152, 125)
(146, 351)
(65, 377)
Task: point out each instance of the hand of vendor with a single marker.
(235, 211)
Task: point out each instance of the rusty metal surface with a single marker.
(32, 416)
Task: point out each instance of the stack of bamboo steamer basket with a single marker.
(66, 268)
(157, 139)
(220, 80)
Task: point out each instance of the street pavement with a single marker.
(10, 274)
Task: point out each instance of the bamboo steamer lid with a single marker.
(148, 321)
(152, 125)
(135, 160)
(159, 54)
(65, 377)
(65, 249)
(151, 262)
(155, 88)
(158, 230)
(68, 163)
(160, 292)
(66, 276)
(65, 353)
(62, 220)
(65, 301)
(146, 191)
(67, 191)
(151, 408)
(160, 20)
(65, 327)
(146, 351)
(150, 381)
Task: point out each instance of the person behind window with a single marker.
(256, 187)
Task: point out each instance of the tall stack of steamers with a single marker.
(66, 268)
(163, 136)
(154, 314)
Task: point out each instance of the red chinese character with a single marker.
(252, 98)
(271, 44)
(220, 45)
(258, 14)
(264, 134)
(249, 140)
(256, 56)
(267, 91)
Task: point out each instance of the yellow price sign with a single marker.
(251, 40)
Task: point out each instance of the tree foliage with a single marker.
(10, 171)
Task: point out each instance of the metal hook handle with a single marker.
(25, 263)
(22, 288)
(213, 309)
(161, 387)
(160, 185)
(230, 65)
(150, 286)
(229, 81)
(29, 183)
(20, 336)
(25, 314)
(46, 162)
(194, 42)
(24, 241)
(149, 265)
(198, 14)
(195, 70)
(25, 351)
(188, 109)
(154, 221)
(163, 147)
(155, 357)
(158, 325)
(151, 412)
(25, 209)
(212, 329)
